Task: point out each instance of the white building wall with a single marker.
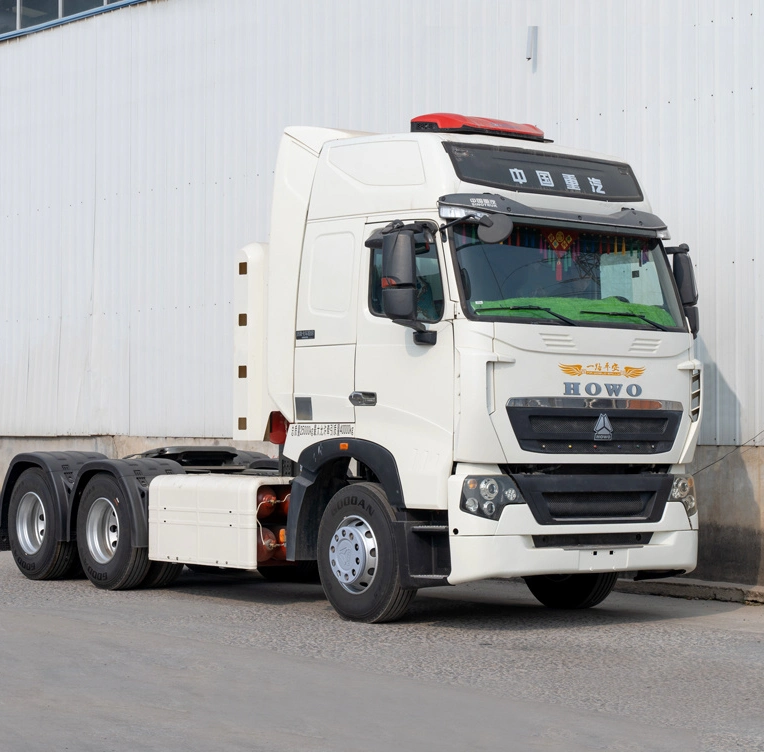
(138, 149)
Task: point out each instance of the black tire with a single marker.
(104, 537)
(162, 574)
(361, 578)
(31, 515)
(301, 571)
(572, 590)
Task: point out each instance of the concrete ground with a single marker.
(218, 663)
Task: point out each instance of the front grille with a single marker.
(575, 499)
(571, 430)
(597, 504)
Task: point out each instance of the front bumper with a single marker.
(483, 548)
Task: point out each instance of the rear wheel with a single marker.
(572, 590)
(104, 537)
(31, 522)
(358, 559)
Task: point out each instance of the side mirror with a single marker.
(495, 228)
(685, 279)
(399, 275)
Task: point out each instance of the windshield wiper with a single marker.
(631, 315)
(568, 321)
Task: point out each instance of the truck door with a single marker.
(324, 363)
(412, 384)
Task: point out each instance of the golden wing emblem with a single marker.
(573, 370)
(631, 373)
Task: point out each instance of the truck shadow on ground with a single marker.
(507, 607)
(247, 586)
(499, 615)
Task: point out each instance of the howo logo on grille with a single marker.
(603, 429)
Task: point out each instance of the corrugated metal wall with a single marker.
(138, 149)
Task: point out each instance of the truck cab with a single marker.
(499, 319)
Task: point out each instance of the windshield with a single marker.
(566, 277)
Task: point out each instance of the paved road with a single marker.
(241, 664)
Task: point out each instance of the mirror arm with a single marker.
(417, 326)
(674, 249)
(422, 335)
(442, 229)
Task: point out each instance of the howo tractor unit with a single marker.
(475, 353)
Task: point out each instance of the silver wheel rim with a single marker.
(353, 555)
(102, 530)
(30, 523)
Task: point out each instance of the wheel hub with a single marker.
(102, 530)
(353, 554)
(30, 523)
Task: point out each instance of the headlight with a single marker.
(683, 489)
(489, 489)
(486, 495)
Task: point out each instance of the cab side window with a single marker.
(429, 283)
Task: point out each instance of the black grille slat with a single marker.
(570, 430)
(548, 425)
(588, 540)
(597, 504)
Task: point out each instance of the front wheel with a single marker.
(358, 560)
(572, 590)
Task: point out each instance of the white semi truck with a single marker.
(475, 354)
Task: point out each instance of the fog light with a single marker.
(471, 505)
(488, 508)
(489, 489)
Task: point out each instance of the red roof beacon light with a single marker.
(446, 122)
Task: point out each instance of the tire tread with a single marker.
(397, 606)
(135, 571)
(65, 559)
(161, 574)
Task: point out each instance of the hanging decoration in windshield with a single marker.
(542, 172)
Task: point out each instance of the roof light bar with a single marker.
(446, 122)
(457, 212)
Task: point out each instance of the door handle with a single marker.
(363, 399)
